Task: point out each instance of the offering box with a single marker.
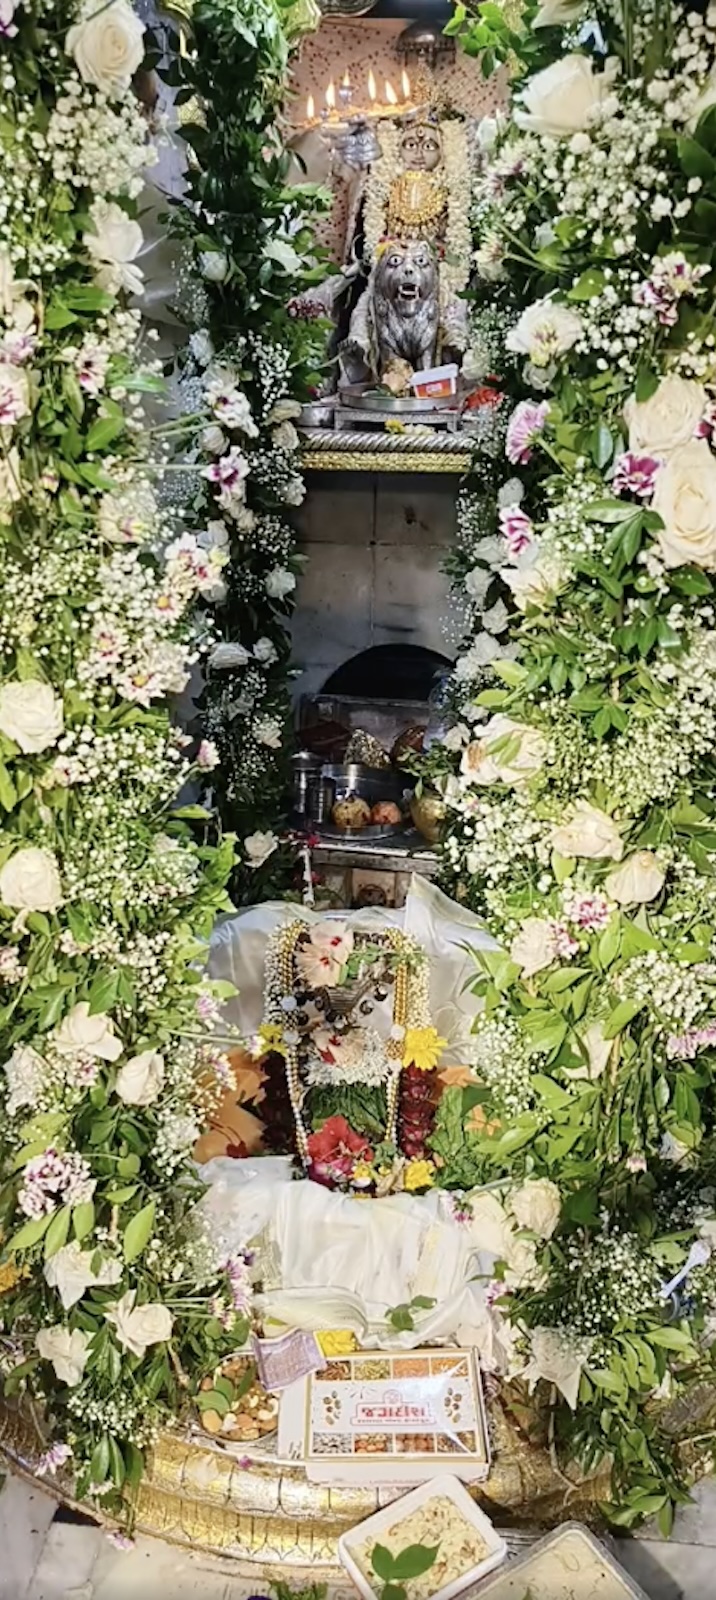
(570, 1564)
(395, 1417)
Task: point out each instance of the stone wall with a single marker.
(375, 544)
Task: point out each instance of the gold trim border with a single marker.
(385, 461)
(267, 1516)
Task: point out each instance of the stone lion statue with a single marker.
(397, 318)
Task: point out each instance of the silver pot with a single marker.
(306, 773)
(369, 783)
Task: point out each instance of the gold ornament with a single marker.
(417, 206)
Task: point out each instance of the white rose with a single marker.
(107, 44)
(68, 1352)
(565, 98)
(284, 436)
(214, 265)
(279, 583)
(201, 347)
(704, 101)
(284, 411)
(536, 578)
(638, 879)
(477, 583)
(668, 419)
(521, 1264)
(506, 752)
(114, 244)
(489, 1226)
(215, 536)
(70, 1272)
(557, 13)
(80, 1033)
(10, 481)
(537, 1205)
(213, 439)
(590, 833)
(558, 1358)
(456, 737)
(672, 1149)
(30, 881)
(26, 1072)
(31, 715)
(228, 655)
(137, 1329)
(488, 131)
(685, 498)
(265, 651)
(598, 1051)
(545, 331)
(140, 1079)
(258, 848)
(535, 946)
(14, 391)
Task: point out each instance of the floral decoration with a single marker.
(578, 768)
(107, 890)
(248, 256)
(361, 1087)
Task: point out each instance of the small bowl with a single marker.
(255, 1400)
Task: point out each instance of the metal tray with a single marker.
(583, 1569)
(328, 830)
(395, 405)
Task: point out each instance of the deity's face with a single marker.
(421, 148)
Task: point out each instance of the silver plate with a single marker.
(589, 1572)
(372, 830)
(394, 405)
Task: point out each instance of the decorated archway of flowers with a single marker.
(579, 771)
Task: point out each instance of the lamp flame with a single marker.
(371, 85)
(346, 79)
(310, 109)
(405, 81)
(391, 98)
(331, 96)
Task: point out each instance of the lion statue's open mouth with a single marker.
(409, 291)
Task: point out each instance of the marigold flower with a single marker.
(423, 1048)
(419, 1175)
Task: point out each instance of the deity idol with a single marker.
(395, 325)
(404, 227)
(417, 247)
(418, 198)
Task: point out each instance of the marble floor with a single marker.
(44, 1557)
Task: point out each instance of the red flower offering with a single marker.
(334, 1151)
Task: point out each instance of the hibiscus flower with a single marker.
(334, 1150)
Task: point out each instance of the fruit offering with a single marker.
(352, 812)
(385, 814)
